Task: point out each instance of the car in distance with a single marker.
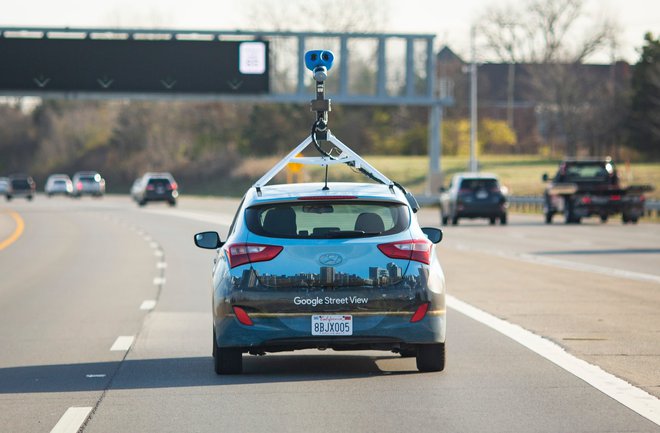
(135, 188)
(58, 184)
(88, 183)
(474, 195)
(591, 187)
(4, 185)
(343, 267)
(156, 187)
(21, 185)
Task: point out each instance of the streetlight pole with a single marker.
(474, 166)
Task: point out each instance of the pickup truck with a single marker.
(584, 188)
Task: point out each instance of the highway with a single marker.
(105, 326)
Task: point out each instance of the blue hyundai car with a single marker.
(341, 266)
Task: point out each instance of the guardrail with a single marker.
(535, 204)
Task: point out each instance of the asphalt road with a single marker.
(91, 275)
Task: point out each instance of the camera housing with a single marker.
(319, 62)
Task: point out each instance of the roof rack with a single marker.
(320, 62)
(347, 156)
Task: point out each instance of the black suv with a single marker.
(21, 185)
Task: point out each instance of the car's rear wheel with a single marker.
(172, 202)
(503, 219)
(226, 360)
(492, 221)
(431, 357)
(603, 218)
(454, 221)
(548, 217)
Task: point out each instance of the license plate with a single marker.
(332, 324)
(482, 194)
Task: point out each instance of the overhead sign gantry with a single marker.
(100, 63)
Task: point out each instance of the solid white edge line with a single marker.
(159, 280)
(628, 395)
(71, 420)
(148, 304)
(122, 343)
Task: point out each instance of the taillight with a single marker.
(586, 199)
(79, 186)
(416, 249)
(240, 254)
(150, 187)
(172, 186)
(242, 316)
(615, 197)
(420, 313)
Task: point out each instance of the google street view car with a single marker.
(328, 265)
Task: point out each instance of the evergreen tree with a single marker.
(644, 121)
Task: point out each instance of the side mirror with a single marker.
(208, 240)
(434, 235)
(545, 177)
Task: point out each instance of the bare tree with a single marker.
(543, 37)
(543, 31)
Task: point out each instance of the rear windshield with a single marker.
(161, 182)
(576, 172)
(20, 183)
(327, 219)
(476, 184)
(90, 178)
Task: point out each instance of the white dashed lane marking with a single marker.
(71, 420)
(122, 343)
(149, 304)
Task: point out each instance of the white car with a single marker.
(88, 183)
(4, 185)
(58, 184)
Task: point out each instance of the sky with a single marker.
(449, 20)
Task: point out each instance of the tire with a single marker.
(29, 198)
(454, 221)
(172, 203)
(603, 219)
(9, 198)
(548, 218)
(569, 217)
(431, 357)
(445, 220)
(503, 219)
(226, 360)
(142, 203)
(634, 220)
(492, 221)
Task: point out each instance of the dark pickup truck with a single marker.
(584, 188)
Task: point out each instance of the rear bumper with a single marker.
(373, 331)
(480, 210)
(165, 196)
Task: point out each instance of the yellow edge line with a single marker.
(351, 313)
(18, 231)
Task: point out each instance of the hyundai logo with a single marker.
(331, 259)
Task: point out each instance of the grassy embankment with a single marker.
(520, 173)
